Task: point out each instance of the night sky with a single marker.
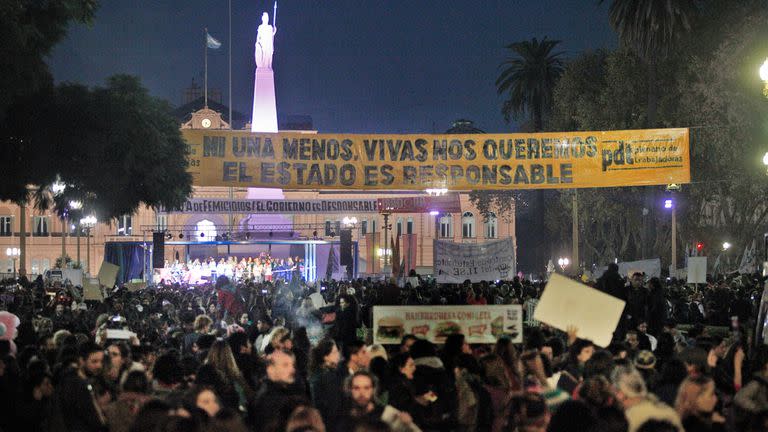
(385, 66)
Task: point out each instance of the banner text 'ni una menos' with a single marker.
(457, 162)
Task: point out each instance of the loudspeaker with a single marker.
(345, 248)
(158, 249)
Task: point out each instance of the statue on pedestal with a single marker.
(265, 43)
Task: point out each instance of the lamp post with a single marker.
(349, 224)
(88, 223)
(13, 253)
(58, 188)
(563, 262)
(77, 205)
(386, 214)
(764, 76)
(670, 204)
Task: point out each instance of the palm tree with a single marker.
(651, 28)
(530, 77)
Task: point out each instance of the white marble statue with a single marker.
(265, 43)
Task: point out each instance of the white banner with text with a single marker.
(489, 261)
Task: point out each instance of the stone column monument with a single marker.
(264, 117)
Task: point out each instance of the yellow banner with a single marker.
(555, 160)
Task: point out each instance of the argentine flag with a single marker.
(211, 42)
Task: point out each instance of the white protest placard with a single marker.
(478, 324)
(92, 290)
(697, 269)
(120, 334)
(108, 274)
(566, 302)
(489, 261)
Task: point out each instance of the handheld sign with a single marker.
(566, 302)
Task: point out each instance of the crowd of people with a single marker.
(277, 356)
(263, 268)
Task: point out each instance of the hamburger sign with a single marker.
(479, 324)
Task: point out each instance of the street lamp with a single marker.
(726, 246)
(349, 222)
(77, 205)
(88, 223)
(13, 253)
(563, 262)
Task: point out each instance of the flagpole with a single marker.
(205, 50)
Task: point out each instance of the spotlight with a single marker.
(202, 234)
(248, 236)
(181, 235)
(168, 236)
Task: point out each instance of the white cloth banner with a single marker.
(479, 324)
(651, 268)
(489, 261)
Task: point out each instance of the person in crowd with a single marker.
(528, 413)
(168, 377)
(260, 336)
(573, 371)
(305, 419)
(75, 397)
(326, 379)
(640, 405)
(695, 404)
(360, 388)
(206, 399)
(431, 375)
(752, 399)
(672, 375)
(202, 326)
(134, 393)
(248, 364)
(508, 354)
(35, 401)
(276, 391)
(645, 363)
(120, 363)
(239, 392)
(406, 342)
(499, 387)
(345, 326)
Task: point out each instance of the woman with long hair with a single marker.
(324, 378)
(499, 387)
(695, 404)
(506, 350)
(220, 356)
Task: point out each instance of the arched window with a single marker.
(468, 225)
(446, 226)
(205, 230)
(491, 226)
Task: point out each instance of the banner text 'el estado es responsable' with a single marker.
(457, 162)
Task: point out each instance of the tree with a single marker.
(529, 78)
(115, 147)
(651, 28)
(30, 30)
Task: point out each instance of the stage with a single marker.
(135, 258)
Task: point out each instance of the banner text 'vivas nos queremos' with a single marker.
(553, 160)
